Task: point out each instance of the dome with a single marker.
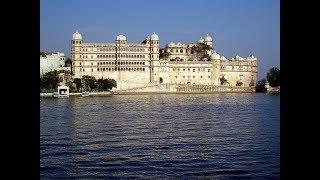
(121, 38)
(238, 57)
(252, 58)
(223, 58)
(154, 37)
(201, 40)
(207, 38)
(76, 35)
(171, 44)
(215, 55)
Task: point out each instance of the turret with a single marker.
(154, 56)
(215, 59)
(121, 39)
(76, 45)
(208, 41)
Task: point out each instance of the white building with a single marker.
(52, 61)
(141, 64)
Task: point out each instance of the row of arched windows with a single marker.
(122, 55)
(122, 49)
(177, 50)
(121, 63)
(121, 69)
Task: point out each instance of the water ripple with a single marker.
(220, 136)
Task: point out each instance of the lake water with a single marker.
(219, 136)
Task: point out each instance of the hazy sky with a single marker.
(237, 26)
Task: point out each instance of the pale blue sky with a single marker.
(237, 26)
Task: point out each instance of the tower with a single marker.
(154, 57)
(215, 59)
(76, 45)
(121, 41)
(208, 41)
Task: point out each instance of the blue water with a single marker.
(219, 136)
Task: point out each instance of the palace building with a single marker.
(141, 64)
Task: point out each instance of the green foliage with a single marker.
(50, 80)
(273, 77)
(72, 86)
(47, 90)
(78, 83)
(89, 82)
(200, 48)
(223, 80)
(68, 62)
(106, 84)
(260, 87)
(164, 54)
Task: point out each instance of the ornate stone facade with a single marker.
(138, 64)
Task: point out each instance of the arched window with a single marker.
(181, 51)
(98, 69)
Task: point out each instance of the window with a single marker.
(183, 69)
(193, 76)
(208, 76)
(176, 77)
(181, 51)
(98, 69)
(208, 70)
(91, 70)
(200, 76)
(183, 76)
(194, 70)
(188, 69)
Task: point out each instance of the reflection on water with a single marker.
(162, 136)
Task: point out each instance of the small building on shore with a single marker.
(63, 90)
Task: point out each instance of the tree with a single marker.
(106, 84)
(68, 62)
(200, 50)
(72, 86)
(50, 80)
(260, 87)
(273, 77)
(78, 83)
(89, 82)
(223, 80)
(164, 54)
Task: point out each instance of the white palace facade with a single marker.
(139, 64)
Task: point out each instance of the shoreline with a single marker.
(103, 94)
